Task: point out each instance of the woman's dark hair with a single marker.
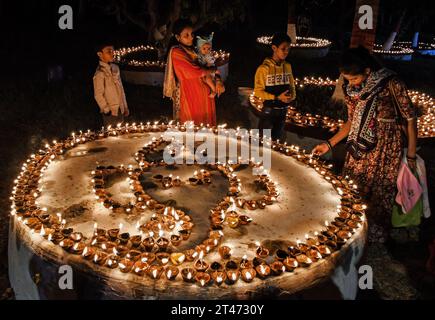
(279, 38)
(177, 28)
(355, 60)
(180, 25)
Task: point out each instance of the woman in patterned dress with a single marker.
(379, 113)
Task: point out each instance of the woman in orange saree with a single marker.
(183, 81)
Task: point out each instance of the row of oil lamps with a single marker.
(422, 101)
(133, 254)
(301, 42)
(121, 56)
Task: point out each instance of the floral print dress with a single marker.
(376, 171)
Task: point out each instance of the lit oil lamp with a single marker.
(185, 234)
(171, 272)
(162, 258)
(112, 261)
(66, 244)
(123, 238)
(134, 255)
(78, 248)
(162, 243)
(155, 272)
(147, 257)
(232, 219)
(277, 268)
(202, 278)
(290, 264)
(218, 277)
(314, 254)
(136, 240)
(245, 263)
(244, 220)
(250, 205)
(303, 260)
(113, 234)
(88, 253)
(125, 265)
(175, 240)
(177, 258)
(261, 251)
(233, 275)
(191, 254)
(176, 182)
(121, 250)
(225, 252)
(188, 274)
(263, 270)
(248, 274)
(324, 250)
(108, 246)
(200, 265)
(99, 258)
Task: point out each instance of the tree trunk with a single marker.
(390, 41)
(291, 21)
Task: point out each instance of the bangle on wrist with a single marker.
(328, 144)
(411, 158)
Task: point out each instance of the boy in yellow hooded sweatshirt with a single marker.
(275, 86)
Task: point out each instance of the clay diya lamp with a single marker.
(200, 265)
(100, 232)
(123, 238)
(248, 274)
(303, 247)
(314, 254)
(162, 243)
(158, 177)
(202, 278)
(261, 204)
(140, 268)
(108, 246)
(184, 233)
(113, 234)
(354, 224)
(281, 255)
(155, 272)
(147, 257)
(263, 270)
(148, 244)
(176, 182)
(112, 261)
(262, 252)
(191, 254)
(187, 225)
(88, 253)
(78, 248)
(177, 258)
(245, 263)
(329, 235)
(332, 228)
(218, 277)
(162, 258)
(339, 222)
(250, 205)
(324, 250)
(277, 267)
(193, 181)
(67, 232)
(225, 252)
(344, 235)
(76, 236)
(171, 273)
(188, 274)
(121, 250)
(100, 258)
(303, 260)
(216, 266)
(232, 276)
(312, 241)
(136, 240)
(344, 214)
(232, 219)
(217, 220)
(207, 180)
(134, 255)
(269, 200)
(175, 240)
(244, 220)
(240, 202)
(290, 264)
(66, 244)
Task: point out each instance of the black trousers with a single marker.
(275, 121)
